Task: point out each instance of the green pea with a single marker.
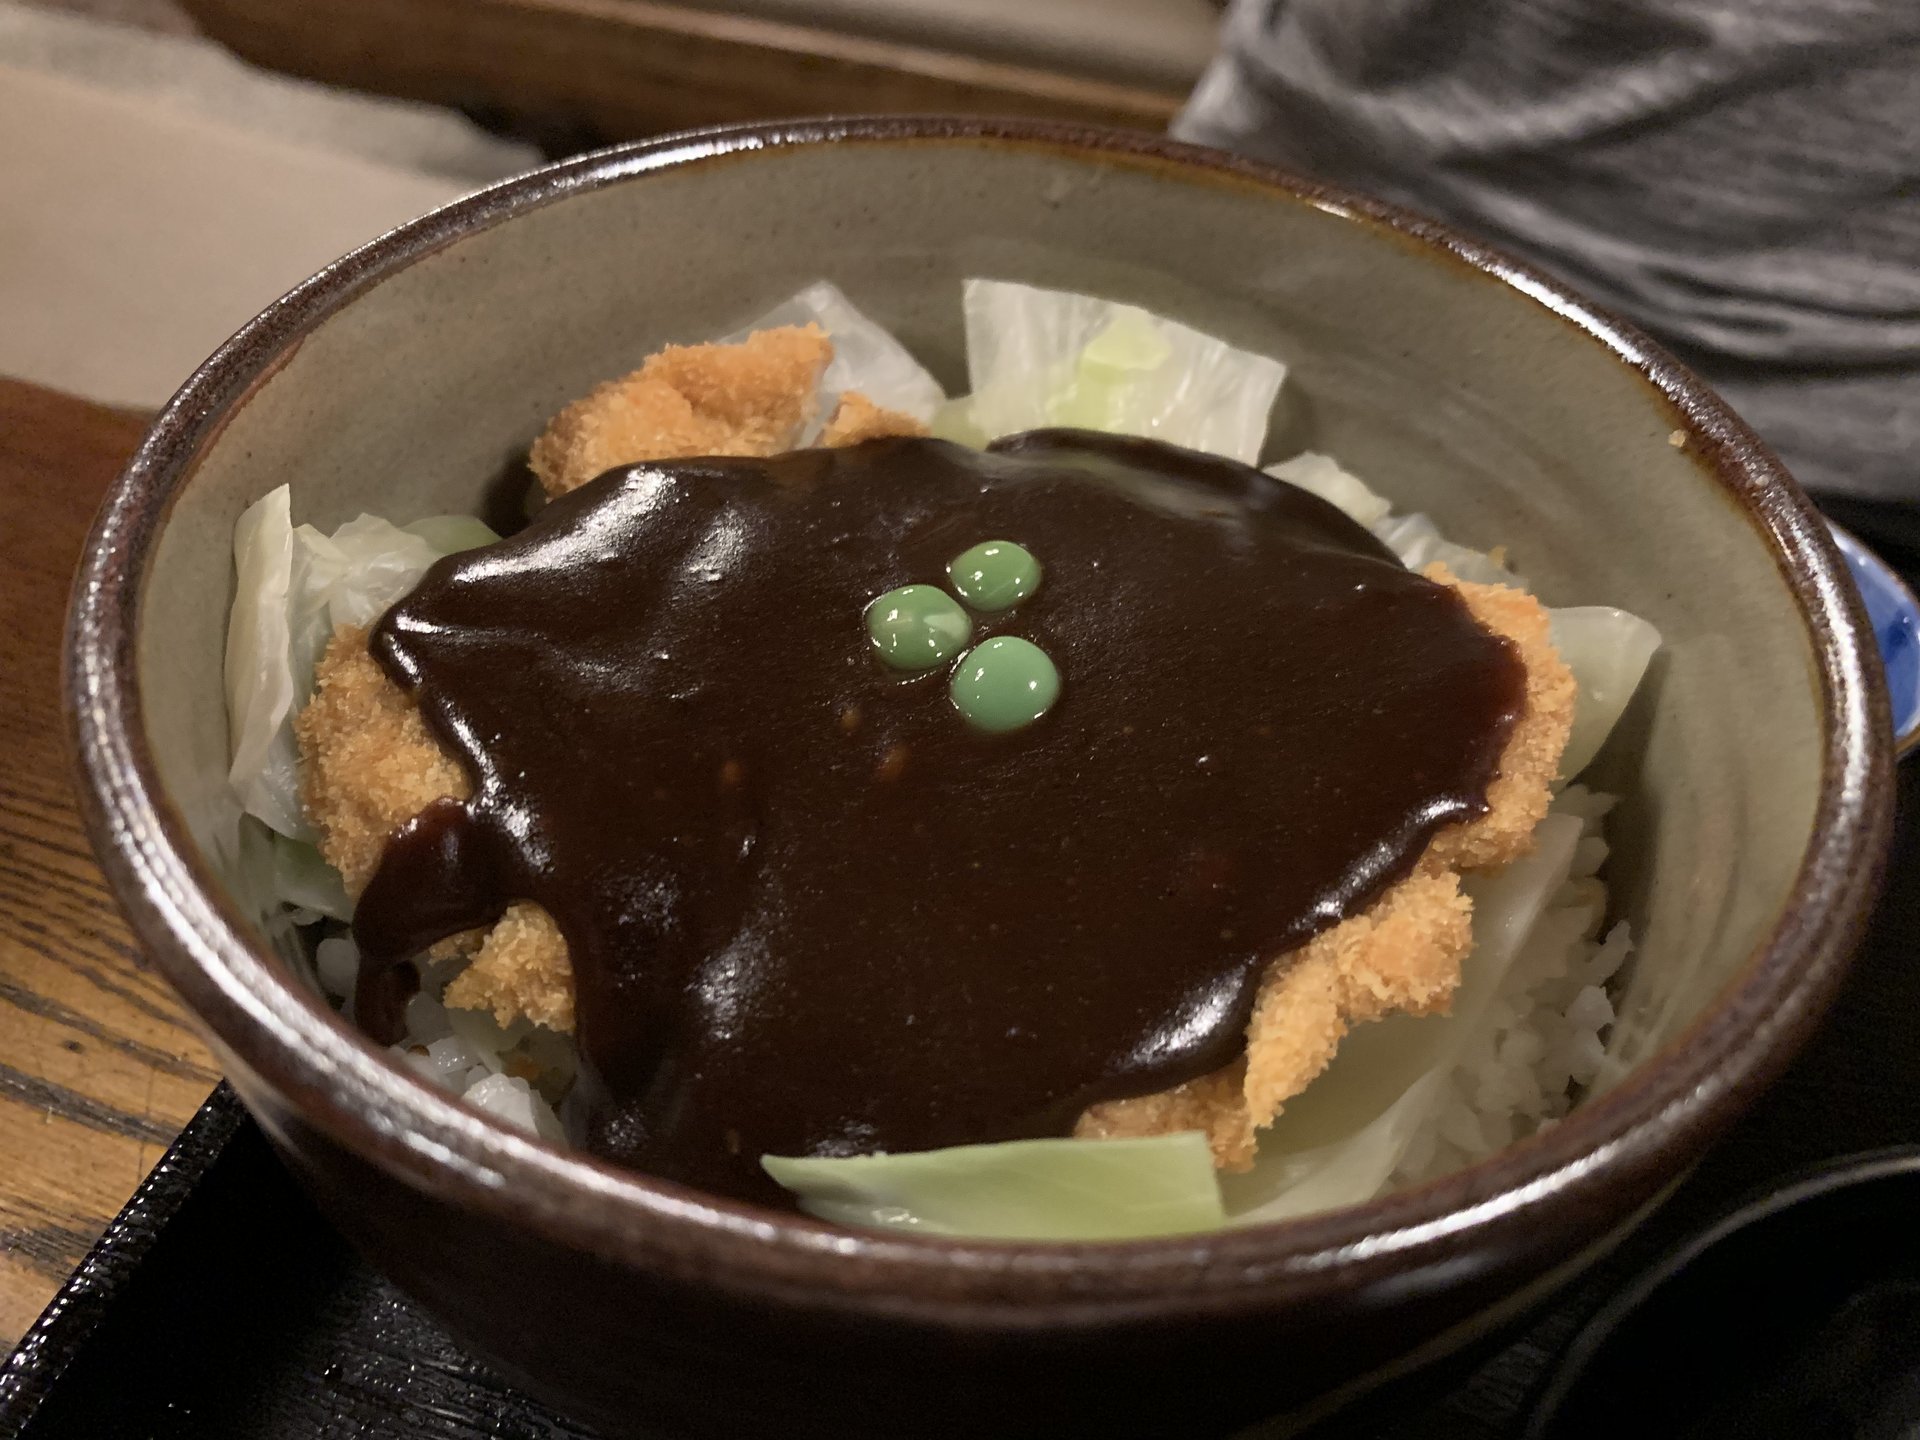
(1004, 683)
(917, 627)
(994, 574)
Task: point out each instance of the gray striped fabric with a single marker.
(1739, 177)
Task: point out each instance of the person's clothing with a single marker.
(1740, 179)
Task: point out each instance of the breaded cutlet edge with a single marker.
(1403, 953)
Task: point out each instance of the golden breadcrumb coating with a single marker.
(368, 764)
(857, 418)
(1518, 797)
(750, 398)
(1404, 952)
(522, 969)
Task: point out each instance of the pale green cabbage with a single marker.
(1414, 539)
(1418, 543)
(954, 421)
(449, 534)
(1050, 357)
(306, 882)
(1324, 476)
(866, 357)
(1019, 1189)
(1608, 651)
(264, 772)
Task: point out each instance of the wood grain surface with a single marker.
(98, 1068)
(592, 71)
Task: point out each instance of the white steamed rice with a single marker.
(1542, 1038)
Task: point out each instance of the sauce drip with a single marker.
(812, 911)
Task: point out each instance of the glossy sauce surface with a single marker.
(810, 910)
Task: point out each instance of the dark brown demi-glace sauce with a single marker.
(809, 910)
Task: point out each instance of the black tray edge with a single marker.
(76, 1311)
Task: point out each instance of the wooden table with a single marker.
(98, 1068)
(572, 73)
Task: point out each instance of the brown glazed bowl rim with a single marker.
(1629, 1141)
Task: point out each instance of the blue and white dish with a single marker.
(1895, 616)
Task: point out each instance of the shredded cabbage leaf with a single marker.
(306, 882)
(249, 862)
(954, 421)
(449, 534)
(866, 357)
(297, 585)
(1051, 357)
(1417, 542)
(264, 772)
(1019, 1189)
(1414, 539)
(1608, 651)
(1324, 476)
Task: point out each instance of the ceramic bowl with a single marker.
(1893, 612)
(408, 378)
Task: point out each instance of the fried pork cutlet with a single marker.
(370, 765)
(751, 398)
